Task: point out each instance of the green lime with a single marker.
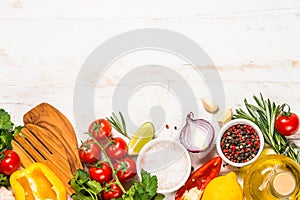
(142, 136)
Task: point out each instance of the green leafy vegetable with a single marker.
(85, 188)
(5, 123)
(144, 190)
(263, 114)
(7, 131)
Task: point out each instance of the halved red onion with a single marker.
(197, 135)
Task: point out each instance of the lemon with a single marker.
(141, 137)
(223, 188)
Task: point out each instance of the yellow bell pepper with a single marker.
(37, 182)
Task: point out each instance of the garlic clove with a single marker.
(225, 117)
(209, 106)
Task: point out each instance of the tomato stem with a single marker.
(282, 112)
(117, 181)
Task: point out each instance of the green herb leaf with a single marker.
(82, 176)
(7, 131)
(95, 186)
(5, 141)
(84, 187)
(146, 189)
(118, 124)
(5, 123)
(17, 130)
(149, 182)
(123, 122)
(4, 180)
(159, 197)
(74, 185)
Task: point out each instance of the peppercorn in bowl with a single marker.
(240, 142)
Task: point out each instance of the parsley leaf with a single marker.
(5, 123)
(7, 131)
(149, 182)
(159, 197)
(85, 188)
(144, 190)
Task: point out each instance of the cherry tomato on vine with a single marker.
(10, 163)
(101, 172)
(125, 169)
(100, 129)
(287, 124)
(89, 152)
(112, 191)
(116, 148)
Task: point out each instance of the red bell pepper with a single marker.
(199, 179)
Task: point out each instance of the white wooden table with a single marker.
(254, 45)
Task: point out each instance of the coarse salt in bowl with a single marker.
(166, 159)
(242, 144)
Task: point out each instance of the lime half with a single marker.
(142, 136)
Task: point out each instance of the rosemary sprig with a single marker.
(264, 115)
(118, 124)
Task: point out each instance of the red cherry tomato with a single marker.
(116, 148)
(287, 125)
(10, 163)
(100, 129)
(101, 173)
(112, 191)
(125, 169)
(89, 152)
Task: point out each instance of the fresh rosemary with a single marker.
(264, 114)
(118, 124)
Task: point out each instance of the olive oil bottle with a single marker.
(273, 177)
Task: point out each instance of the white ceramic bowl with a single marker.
(168, 160)
(230, 124)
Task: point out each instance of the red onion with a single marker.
(197, 135)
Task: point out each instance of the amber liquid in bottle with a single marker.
(273, 177)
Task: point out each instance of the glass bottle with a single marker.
(273, 177)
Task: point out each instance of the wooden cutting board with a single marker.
(49, 137)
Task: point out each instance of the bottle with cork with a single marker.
(273, 177)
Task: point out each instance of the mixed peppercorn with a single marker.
(240, 143)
